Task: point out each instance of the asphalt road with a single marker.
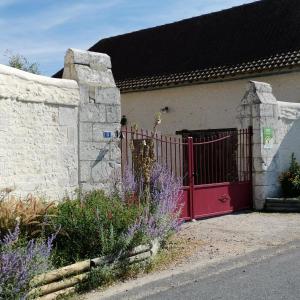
(272, 274)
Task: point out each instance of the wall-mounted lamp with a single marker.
(124, 120)
(165, 109)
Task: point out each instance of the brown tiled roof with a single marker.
(276, 62)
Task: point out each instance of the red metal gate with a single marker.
(215, 167)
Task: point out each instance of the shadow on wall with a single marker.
(290, 129)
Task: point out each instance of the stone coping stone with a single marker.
(297, 199)
(45, 80)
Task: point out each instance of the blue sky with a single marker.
(42, 30)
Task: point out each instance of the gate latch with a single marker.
(224, 198)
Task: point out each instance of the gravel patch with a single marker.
(238, 234)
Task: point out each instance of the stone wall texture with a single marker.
(38, 134)
(260, 109)
(57, 135)
(99, 118)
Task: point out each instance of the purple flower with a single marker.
(162, 214)
(20, 262)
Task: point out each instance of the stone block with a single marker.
(71, 136)
(268, 110)
(257, 150)
(85, 171)
(258, 164)
(259, 196)
(84, 93)
(257, 136)
(255, 110)
(99, 61)
(102, 171)
(115, 152)
(3, 167)
(4, 122)
(63, 181)
(92, 94)
(94, 59)
(92, 113)
(107, 96)
(76, 56)
(267, 163)
(256, 124)
(88, 76)
(259, 178)
(94, 151)
(73, 177)
(88, 187)
(259, 87)
(113, 113)
(67, 116)
(245, 122)
(86, 132)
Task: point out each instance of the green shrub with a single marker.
(94, 226)
(290, 180)
(99, 276)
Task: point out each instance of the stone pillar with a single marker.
(259, 109)
(99, 117)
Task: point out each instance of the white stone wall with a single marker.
(288, 133)
(260, 109)
(38, 134)
(53, 132)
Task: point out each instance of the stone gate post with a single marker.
(259, 109)
(99, 117)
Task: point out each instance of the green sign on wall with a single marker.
(268, 137)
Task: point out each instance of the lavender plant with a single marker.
(161, 214)
(20, 261)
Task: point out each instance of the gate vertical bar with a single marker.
(250, 161)
(126, 146)
(191, 174)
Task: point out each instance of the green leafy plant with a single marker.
(91, 227)
(103, 276)
(290, 180)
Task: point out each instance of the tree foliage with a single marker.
(20, 62)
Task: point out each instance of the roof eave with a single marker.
(230, 77)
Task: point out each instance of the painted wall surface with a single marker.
(202, 106)
(38, 134)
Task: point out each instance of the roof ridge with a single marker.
(281, 60)
(291, 54)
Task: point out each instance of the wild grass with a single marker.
(30, 213)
